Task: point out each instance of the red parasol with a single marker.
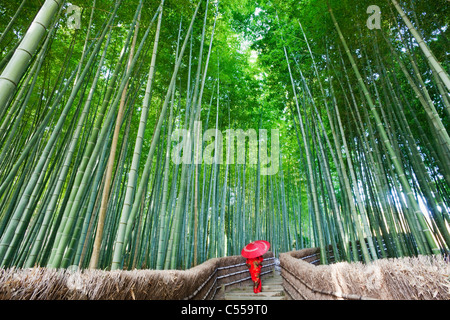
(255, 249)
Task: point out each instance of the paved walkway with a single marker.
(272, 289)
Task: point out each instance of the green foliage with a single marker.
(248, 63)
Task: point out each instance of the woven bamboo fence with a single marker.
(410, 278)
(202, 282)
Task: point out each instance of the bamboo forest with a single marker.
(159, 134)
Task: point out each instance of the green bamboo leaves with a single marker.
(90, 124)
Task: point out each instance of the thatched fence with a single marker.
(412, 278)
(423, 277)
(204, 281)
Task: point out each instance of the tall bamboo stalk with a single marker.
(17, 65)
(423, 46)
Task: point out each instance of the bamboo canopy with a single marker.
(161, 134)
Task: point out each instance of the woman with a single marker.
(254, 265)
(253, 252)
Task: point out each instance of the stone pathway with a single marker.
(272, 289)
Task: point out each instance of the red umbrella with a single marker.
(255, 249)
